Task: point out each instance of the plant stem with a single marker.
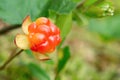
(56, 76)
(8, 28)
(10, 59)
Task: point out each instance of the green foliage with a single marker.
(89, 2)
(62, 6)
(14, 11)
(101, 9)
(107, 27)
(64, 56)
(65, 23)
(64, 13)
(29, 52)
(38, 72)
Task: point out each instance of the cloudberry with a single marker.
(41, 36)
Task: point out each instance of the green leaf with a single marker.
(14, 11)
(62, 6)
(49, 62)
(38, 72)
(76, 1)
(29, 52)
(64, 22)
(94, 11)
(108, 28)
(79, 18)
(89, 2)
(52, 16)
(64, 56)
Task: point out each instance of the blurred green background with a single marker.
(90, 47)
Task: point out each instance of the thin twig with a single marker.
(10, 59)
(8, 28)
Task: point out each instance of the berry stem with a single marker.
(11, 57)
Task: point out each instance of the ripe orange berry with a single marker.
(42, 20)
(43, 35)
